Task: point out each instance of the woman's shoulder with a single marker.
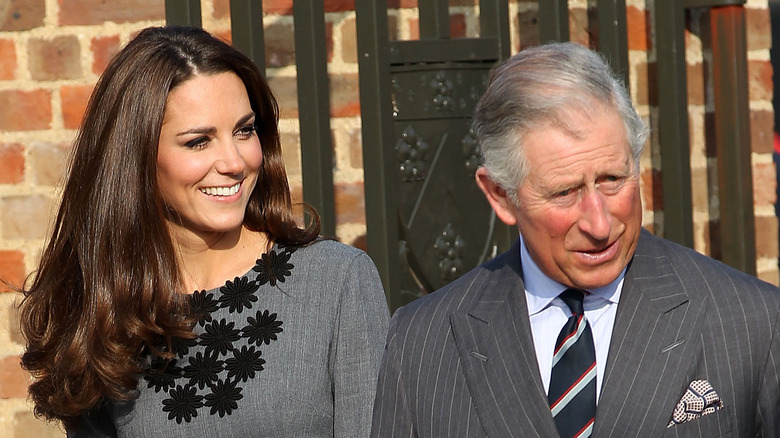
(331, 249)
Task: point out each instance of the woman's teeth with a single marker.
(221, 191)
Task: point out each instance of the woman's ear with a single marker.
(497, 197)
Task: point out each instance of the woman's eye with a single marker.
(197, 143)
(246, 132)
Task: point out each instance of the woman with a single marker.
(177, 295)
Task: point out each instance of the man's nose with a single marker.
(595, 219)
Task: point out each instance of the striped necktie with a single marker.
(572, 393)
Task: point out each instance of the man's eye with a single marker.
(563, 193)
(611, 184)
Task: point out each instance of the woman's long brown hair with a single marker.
(108, 284)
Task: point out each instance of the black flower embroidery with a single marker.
(219, 337)
(183, 404)
(223, 397)
(238, 294)
(203, 370)
(273, 267)
(181, 346)
(244, 364)
(262, 329)
(162, 374)
(215, 367)
(203, 305)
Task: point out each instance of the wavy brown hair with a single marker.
(107, 286)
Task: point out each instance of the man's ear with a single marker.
(497, 197)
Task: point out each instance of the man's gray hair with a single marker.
(538, 88)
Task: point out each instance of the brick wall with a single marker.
(52, 52)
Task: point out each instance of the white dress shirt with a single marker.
(548, 314)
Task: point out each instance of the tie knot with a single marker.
(573, 298)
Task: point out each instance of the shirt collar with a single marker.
(541, 290)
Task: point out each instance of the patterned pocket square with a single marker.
(700, 399)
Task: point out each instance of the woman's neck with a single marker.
(206, 262)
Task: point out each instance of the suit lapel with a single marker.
(496, 349)
(651, 349)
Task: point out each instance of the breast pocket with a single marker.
(718, 424)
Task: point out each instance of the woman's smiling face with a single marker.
(209, 155)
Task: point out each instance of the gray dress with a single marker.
(290, 349)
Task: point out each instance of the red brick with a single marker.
(74, 103)
(26, 425)
(339, 5)
(759, 29)
(12, 269)
(58, 58)
(349, 41)
(350, 203)
(284, 7)
(225, 35)
(280, 7)
(636, 22)
(579, 26)
(18, 15)
(329, 41)
(760, 80)
(345, 95)
(103, 49)
(355, 147)
(11, 163)
(696, 84)
(285, 89)
(48, 162)
(221, 9)
(414, 29)
(652, 190)
(403, 4)
(29, 110)
(761, 131)
(13, 379)
(291, 152)
(85, 12)
(280, 45)
(457, 26)
(764, 184)
(766, 236)
(8, 55)
(26, 216)
(528, 28)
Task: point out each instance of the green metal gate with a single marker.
(427, 222)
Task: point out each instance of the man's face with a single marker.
(579, 210)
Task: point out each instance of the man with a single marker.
(670, 342)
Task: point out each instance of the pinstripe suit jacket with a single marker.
(461, 363)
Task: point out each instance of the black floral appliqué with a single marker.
(238, 294)
(203, 370)
(223, 397)
(181, 346)
(272, 267)
(244, 364)
(183, 404)
(203, 305)
(262, 328)
(219, 337)
(162, 374)
(209, 369)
